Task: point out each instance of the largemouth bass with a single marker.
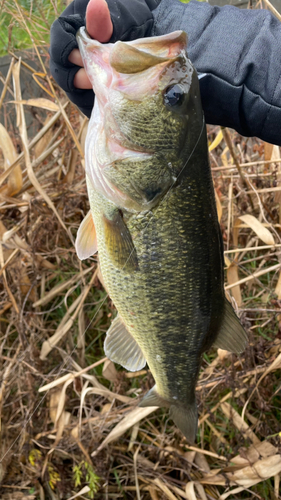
(153, 217)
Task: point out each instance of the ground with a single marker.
(69, 420)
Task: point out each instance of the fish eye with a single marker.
(174, 96)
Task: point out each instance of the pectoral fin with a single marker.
(86, 239)
(231, 336)
(121, 347)
(119, 243)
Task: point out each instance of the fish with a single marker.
(153, 217)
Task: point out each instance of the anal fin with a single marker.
(86, 239)
(231, 335)
(121, 347)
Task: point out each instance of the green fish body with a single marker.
(153, 218)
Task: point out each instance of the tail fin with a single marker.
(186, 418)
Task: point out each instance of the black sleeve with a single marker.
(131, 20)
(62, 42)
(239, 51)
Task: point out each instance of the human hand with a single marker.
(111, 21)
(99, 27)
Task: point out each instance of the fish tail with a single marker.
(186, 418)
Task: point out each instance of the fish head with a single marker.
(146, 120)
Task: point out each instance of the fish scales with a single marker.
(170, 286)
(154, 218)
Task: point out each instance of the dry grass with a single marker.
(69, 423)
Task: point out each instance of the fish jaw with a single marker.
(126, 77)
(107, 62)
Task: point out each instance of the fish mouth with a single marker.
(110, 65)
(147, 51)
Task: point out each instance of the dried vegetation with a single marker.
(69, 424)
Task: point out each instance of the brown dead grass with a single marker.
(62, 404)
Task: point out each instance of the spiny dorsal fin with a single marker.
(231, 336)
(121, 347)
(119, 243)
(86, 239)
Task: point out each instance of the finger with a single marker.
(75, 57)
(98, 21)
(81, 80)
(99, 27)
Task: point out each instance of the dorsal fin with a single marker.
(231, 335)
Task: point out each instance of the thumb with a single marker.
(98, 21)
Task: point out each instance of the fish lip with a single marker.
(84, 35)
